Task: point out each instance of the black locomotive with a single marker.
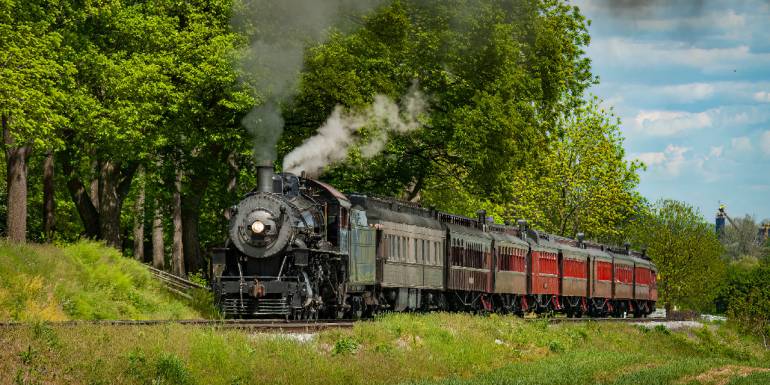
(300, 249)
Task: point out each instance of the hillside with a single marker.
(82, 281)
(428, 349)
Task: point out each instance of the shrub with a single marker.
(749, 302)
(345, 345)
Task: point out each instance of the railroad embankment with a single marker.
(396, 348)
(82, 281)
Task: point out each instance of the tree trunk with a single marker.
(177, 250)
(232, 182)
(16, 159)
(109, 205)
(139, 220)
(95, 188)
(193, 256)
(86, 210)
(114, 183)
(49, 201)
(158, 259)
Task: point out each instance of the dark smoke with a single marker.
(645, 8)
(279, 31)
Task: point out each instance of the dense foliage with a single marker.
(745, 295)
(686, 251)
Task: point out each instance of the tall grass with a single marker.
(80, 281)
(398, 348)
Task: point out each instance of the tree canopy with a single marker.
(497, 75)
(686, 251)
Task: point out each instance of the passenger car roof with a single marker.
(395, 211)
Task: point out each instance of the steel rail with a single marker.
(250, 325)
(281, 325)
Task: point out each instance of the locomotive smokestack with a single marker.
(265, 177)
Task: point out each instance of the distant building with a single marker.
(764, 231)
(720, 220)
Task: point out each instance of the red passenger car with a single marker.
(543, 275)
(574, 276)
(510, 283)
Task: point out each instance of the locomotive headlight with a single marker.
(257, 227)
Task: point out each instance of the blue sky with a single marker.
(690, 81)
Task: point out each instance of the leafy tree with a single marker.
(580, 183)
(686, 251)
(740, 239)
(748, 298)
(120, 98)
(205, 123)
(29, 95)
(497, 75)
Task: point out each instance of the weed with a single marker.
(556, 346)
(344, 346)
(171, 370)
(203, 302)
(27, 356)
(662, 329)
(42, 331)
(198, 277)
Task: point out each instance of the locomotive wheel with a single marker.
(312, 314)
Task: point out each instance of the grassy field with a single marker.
(422, 349)
(81, 281)
(88, 281)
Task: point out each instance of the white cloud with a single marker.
(670, 161)
(762, 96)
(652, 158)
(741, 144)
(716, 152)
(668, 123)
(689, 92)
(631, 53)
(675, 159)
(723, 92)
(764, 142)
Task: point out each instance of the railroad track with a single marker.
(264, 325)
(177, 285)
(282, 326)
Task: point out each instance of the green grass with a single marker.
(82, 281)
(395, 349)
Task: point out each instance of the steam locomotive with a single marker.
(300, 249)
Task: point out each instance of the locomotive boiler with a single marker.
(283, 253)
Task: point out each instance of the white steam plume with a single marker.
(340, 132)
(278, 32)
